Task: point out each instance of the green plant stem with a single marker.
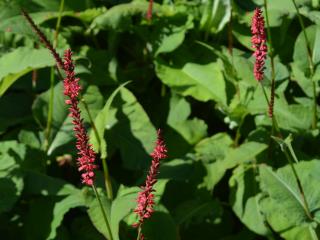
(273, 75)
(103, 212)
(139, 233)
(51, 98)
(50, 110)
(290, 156)
(305, 203)
(107, 179)
(58, 24)
(311, 66)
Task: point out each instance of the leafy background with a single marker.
(190, 72)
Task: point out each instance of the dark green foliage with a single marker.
(225, 177)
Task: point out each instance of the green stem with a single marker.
(311, 66)
(289, 158)
(305, 203)
(50, 110)
(58, 24)
(273, 75)
(103, 212)
(107, 179)
(51, 99)
(139, 233)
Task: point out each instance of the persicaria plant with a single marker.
(86, 86)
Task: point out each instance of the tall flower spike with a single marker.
(259, 43)
(86, 155)
(145, 200)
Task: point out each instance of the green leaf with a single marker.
(11, 185)
(284, 206)
(216, 15)
(12, 155)
(196, 211)
(170, 33)
(218, 156)
(192, 130)
(202, 81)
(294, 117)
(27, 58)
(61, 208)
(96, 216)
(82, 228)
(121, 207)
(40, 184)
(61, 130)
(160, 227)
(101, 121)
(134, 133)
(245, 197)
(300, 49)
(15, 109)
(119, 17)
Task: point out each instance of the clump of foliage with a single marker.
(243, 158)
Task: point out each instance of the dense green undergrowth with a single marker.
(190, 73)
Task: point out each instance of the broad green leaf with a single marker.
(245, 197)
(218, 156)
(300, 49)
(96, 216)
(119, 17)
(11, 185)
(82, 228)
(212, 151)
(30, 138)
(216, 15)
(305, 231)
(133, 133)
(27, 58)
(170, 33)
(7, 81)
(192, 130)
(101, 121)
(303, 81)
(12, 154)
(61, 208)
(40, 184)
(196, 211)
(202, 81)
(15, 109)
(284, 206)
(160, 227)
(94, 101)
(121, 207)
(61, 129)
(294, 117)
(176, 169)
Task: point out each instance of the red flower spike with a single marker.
(86, 155)
(145, 200)
(149, 12)
(259, 43)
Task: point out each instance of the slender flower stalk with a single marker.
(145, 200)
(43, 38)
(273, 75)
(149, 12)
(259, 43)
(60, 64)
(86, 159)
